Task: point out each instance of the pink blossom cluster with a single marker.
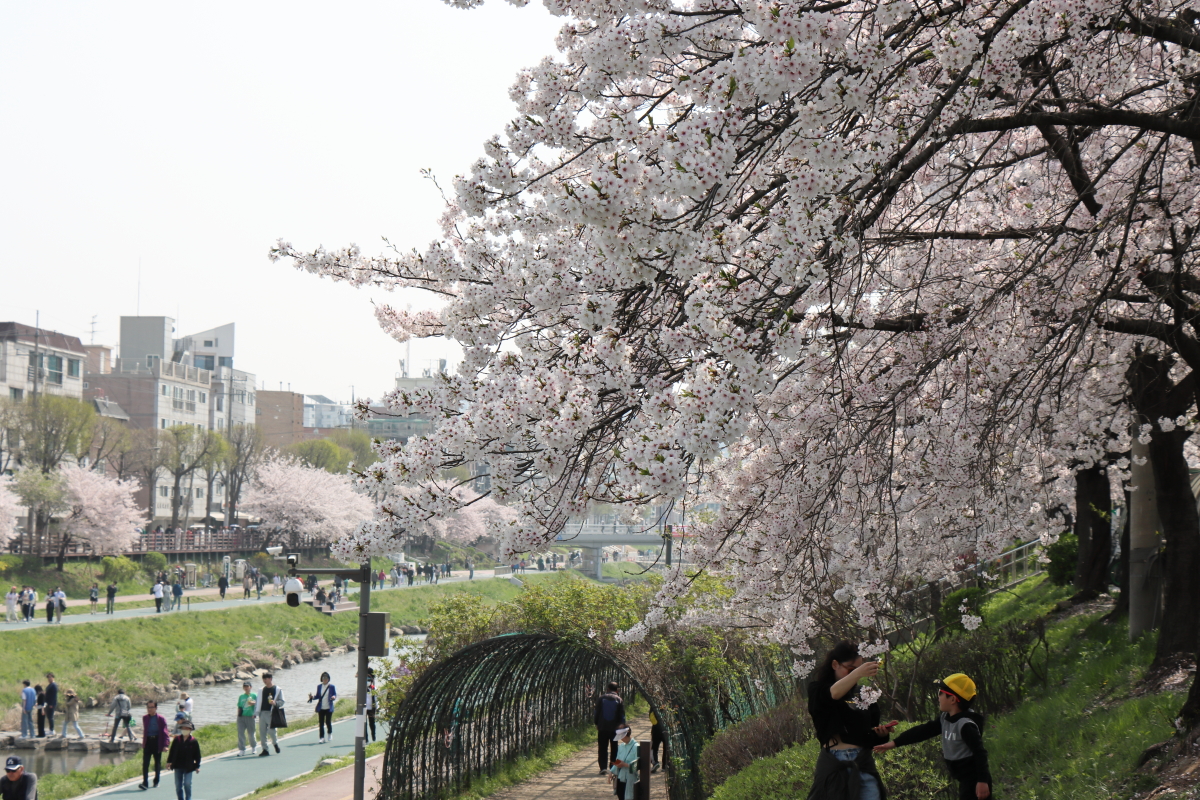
(298, 499)
(868, 275)
(99, 510)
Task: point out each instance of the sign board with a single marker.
(377, 633)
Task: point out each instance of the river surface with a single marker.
(211, 704)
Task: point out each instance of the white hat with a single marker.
(621, 733)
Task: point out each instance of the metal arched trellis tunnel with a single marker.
(507, 696)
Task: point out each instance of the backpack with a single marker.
(610, 709)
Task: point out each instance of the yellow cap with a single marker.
(960, 685)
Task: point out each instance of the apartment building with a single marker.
(34, 360)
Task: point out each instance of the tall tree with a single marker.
(247, 448)
(213, 468)
(184, 450)
(111, 439)
(53, 429)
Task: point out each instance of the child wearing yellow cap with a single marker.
(962, 737)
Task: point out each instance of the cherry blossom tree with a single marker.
(294, 501)
(10, 509)
(879, 277)
(97, 511)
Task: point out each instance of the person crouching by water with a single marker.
(624, 770)
(847, 728)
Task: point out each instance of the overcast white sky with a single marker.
(187, 138)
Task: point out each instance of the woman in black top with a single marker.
(845, 728)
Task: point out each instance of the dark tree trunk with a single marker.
(1154, 396)
(1093, 529)
(63, 544)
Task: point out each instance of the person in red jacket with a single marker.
(156, 738)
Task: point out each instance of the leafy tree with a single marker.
(52, 429)
(184, 450)
(212, 467)
(42, 493)
(321, 454)
(111, 440)
(356, 442)
(247, 448)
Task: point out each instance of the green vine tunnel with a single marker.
(507, 696)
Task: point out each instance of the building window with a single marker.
(199, 493)
(210, 342)
(220, 424)
(164, 424)
(15, 394)
(225, 361)
(54, 370)
(204, 397)
(220, 402)
(204, 362)
(73, 368)
(165, 391)
(163, 491)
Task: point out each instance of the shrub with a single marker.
(1063, 555)
(119, 568)
(761, 736)
(951, 612)
(1003, 661)
(11, 564)
(154, 562)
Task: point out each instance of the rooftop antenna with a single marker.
(93, 336)
(139, 289)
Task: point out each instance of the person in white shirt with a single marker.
(10, 603)
(157, 591)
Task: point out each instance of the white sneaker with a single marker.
(241, 753)
(322, 740)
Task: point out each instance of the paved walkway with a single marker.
(227, 775)
(233, 601)
(577, 778)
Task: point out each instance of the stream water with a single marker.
(211, 704)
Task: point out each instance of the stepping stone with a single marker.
(56, 744)
(82, 746)
(29, 744)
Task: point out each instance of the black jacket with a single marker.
(184, 755)
(842, 780)
(841, 718)
(618, 719)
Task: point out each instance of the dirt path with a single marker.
(579, 778)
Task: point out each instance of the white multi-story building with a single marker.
(33, 360)
(323, 413)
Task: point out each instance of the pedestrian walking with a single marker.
(156, 591)
(326, 696)
(31, 601)
(623, 773)
(222, 585)
(10, 604)
(60, 604)
(94, 596)
(50, 604)
(155, 741)
(184, 760)
(656, 739)
(111, 598)
(17, 784)
(369, 703)
(247, 585)
(961, 730)
(71, 712)
(245, 718)
(28, 704)
(846, 731)
(177, 595)
(270, 700)
(470, 570)
(121, 710)
(609, 717)
(51, 701)
(276, 583)
(41, 710)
